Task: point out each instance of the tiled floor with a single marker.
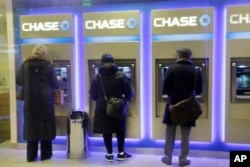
(17, 158)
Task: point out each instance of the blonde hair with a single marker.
(40, 50)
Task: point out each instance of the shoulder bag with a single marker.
(116, 107)
(187, 110)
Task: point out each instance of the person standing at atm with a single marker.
(178, 84)
(38, 79)
(116, 84)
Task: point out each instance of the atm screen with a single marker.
(62, 77)
(125, 69)
(243, 77)
(163, 72)
(165, 68)
(61, 74)
(163, 65)
(127, 66)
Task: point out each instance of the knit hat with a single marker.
(107, 58)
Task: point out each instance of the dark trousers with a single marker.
(120, 141)
(32, 149)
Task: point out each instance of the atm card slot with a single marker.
(242, 97)
(166, 96)
(198, 96)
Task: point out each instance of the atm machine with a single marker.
(240, 80)
(62, 69)
(127, 66)
(237, 109)
(163, 64)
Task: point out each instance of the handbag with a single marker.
(116, 107)
(59, 97)
(187, 110)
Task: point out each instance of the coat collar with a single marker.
(39, 57)
(108, 69)
(184, 61)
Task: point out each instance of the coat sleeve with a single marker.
(53, 80)
(167, 82)
(93, 90)
(199, 84)
(20, 76)
(126, 88)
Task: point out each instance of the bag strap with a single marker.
(195, 81)
(104, 92)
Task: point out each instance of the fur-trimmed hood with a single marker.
(39, 57)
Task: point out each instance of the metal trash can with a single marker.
(77, 139)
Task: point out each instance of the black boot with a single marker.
(46, 150)
(32, 149)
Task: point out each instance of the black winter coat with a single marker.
(178, 84)
(38, 79)
(116, 84)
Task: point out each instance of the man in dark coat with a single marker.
(178, 84)
(116, 84)
(38, 79)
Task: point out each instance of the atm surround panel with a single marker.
(62, 69)
(240, 80)
(63, 74)
(163, 64)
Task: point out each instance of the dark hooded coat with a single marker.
(116, 84)
(38, 79)
(179, 84)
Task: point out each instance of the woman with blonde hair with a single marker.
(38, 79)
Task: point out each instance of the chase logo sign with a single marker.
(205, 20)
(65, 25)
(111, 23)
(182, 21)
(238, 20)
(43, 26)
(131, 23)
(46, 26)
